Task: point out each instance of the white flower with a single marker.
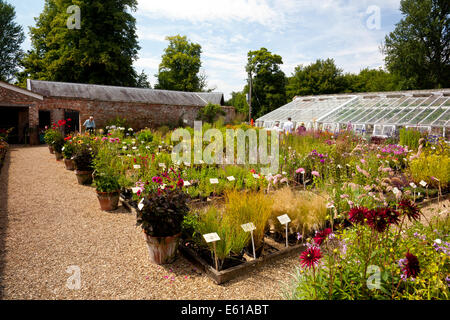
(438, 241)
(130, 129)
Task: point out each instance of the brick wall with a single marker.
(138, 115)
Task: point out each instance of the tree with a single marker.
(180, 66)
(11, 38)
(418, 49)
(268, 87)
(142, 81)
(102, 51)
(372, 80)
(239, 102)
(321, 77)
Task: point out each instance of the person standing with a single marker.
(90, 124)
(288, 127)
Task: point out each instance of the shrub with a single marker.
(84, 157)
(210, 112)
(145, 135)
(410, 138)
(432, 165)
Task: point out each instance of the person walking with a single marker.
(90, 124)
(288, 127)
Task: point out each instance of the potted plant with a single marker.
(68, 152)
(106, 179)
(49, 137)
(83, 158)
(58, 144)
(161, 214)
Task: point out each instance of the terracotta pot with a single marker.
(58, 156)
(50, 148)
(162, 250)
(84, 177)
(108, 200)
(70, 164)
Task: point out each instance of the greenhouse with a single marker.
(380, 114)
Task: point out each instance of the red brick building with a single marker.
(46, 102)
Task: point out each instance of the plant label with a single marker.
(186, 183)
(231, 178)
(134, 148)
(249, 227)
(284, 173)
(423, 183)
(135, 189)
(124, 148)
(162, 165)
(137, 166)
(63, 148)
(211, 237)
(141, 204)
(214, 181)
(413, 185)
(284, 219)
(255, 176)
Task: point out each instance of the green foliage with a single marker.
(431, 165)
(210, 112)
(69, 149)
(238, 100)
(269, 81)
(142, 81)
(418, 49)
(11, 38)
(410, 138)
(102, 51)
(106, 178)
(145, 135)
(84, 157)
(371, 80)
(54, 138)
(180, 66)
(321, 77)
(118, 122)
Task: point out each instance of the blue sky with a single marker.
(301, 31)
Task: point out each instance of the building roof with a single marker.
(20, 90)
(404, 108)
(122, 94)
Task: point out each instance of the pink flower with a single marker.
(344, 196)
(363, 161)
(300, 170)
(315, 173)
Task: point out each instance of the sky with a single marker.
(300, 31)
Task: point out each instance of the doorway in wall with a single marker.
(74, 123)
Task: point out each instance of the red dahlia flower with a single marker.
(321, 236)
(310, 257)
(357, 214)
(411, 266)
(180, 183)
(377, 219)
(409, 209)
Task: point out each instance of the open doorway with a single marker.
(73, 121)
(16, 118)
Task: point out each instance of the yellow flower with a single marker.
(80, 141)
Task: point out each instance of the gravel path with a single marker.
(48, 223)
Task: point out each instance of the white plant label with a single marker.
(211, 237)
(413, 185)
(124, 148)
(423, 183)
(141, 204)
(214, 181)
(137, 166)
(135, 189)
(231, 178)
(248, 227)
(284, 219)
(63, 148)
(255, 176)
(162, 165)
(134, 148)
(186, 183)
(284, 173)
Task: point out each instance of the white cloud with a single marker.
(211, 11)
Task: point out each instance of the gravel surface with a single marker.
(48, 223)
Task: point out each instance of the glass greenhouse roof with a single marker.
(409, 109)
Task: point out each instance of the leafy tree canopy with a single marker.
(102, 51)
(180, 66)
(268, 89)
(418, 49)
(11, 38)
